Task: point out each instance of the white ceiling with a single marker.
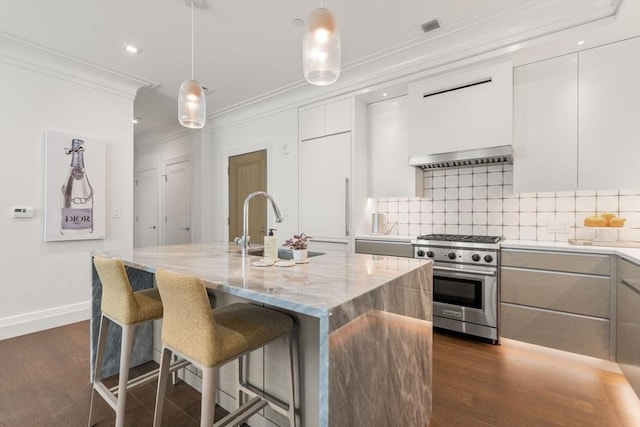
(246, 49)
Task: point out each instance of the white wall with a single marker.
(278, 134)
(47, 284)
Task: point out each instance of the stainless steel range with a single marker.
(465, 281)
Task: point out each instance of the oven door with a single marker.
(466, 295)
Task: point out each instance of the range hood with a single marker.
(464, 158)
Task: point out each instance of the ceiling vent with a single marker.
(428, 26)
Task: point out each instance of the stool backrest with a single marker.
(117, 301)
(188, 325)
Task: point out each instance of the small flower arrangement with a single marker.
(298, 241)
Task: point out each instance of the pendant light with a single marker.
(192, 103)
(321, 48)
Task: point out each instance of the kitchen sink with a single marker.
(288, 254)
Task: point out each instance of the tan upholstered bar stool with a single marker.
(211, 338)
(128, 309)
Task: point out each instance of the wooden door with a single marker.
(248, 173)
(177, 220)
(146, 208)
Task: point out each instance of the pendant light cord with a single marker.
(192, 49)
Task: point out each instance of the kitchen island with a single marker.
(363, 329)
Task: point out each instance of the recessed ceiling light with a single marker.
(384, 94)
(298, 22)
(136, 120)
(581, 42)
(132, 49)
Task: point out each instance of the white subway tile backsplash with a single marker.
(479, 179)
(494, 205)
(630, 203)
(465, 205)
(465, 180)
(546, 204)
(451, 193)
(586, 204)
(494, 178)
(528, 218)
(465, 193)
(480, 200)
(606, 203)
(438, 194)
(480, 218)
(480, 230)
(565, 204)
(528, 204)
(480, 192)
(511, 205)
(494, 191)
(465, 218)
(494, 218)
(528, 233)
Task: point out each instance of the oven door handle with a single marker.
(459, 271)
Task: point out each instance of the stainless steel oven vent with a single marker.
(466, 158)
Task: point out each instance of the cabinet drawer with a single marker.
(573, 293)
(569, 332)
(628, 333)
(558, 261)
(629, 273)
(400, 249)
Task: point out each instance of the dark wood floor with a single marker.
(44, 381)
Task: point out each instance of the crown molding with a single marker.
(33, 57)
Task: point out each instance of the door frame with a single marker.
(224, 164)
(162, 235)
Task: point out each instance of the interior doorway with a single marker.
(146, 224)
(248, 173)
(177, 202)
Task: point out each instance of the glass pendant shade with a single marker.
(321, 48)
(192, 105)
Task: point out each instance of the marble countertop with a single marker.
(325, 282)
(630, 254)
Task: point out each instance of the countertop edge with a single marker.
(629, 254)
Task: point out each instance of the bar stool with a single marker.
(128, 309)
(211, 338)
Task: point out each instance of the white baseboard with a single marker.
(35, 321)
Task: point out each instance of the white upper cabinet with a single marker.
(609, 123)
(464, 110)
(326, 119)
(389, 173)
(545, 113)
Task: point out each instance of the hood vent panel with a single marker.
(466, 158)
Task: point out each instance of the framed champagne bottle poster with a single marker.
(74, 187)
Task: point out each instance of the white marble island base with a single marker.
(363, 326)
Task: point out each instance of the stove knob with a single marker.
(488, 258)
(475, 257)
(430, 254)
(420, 253)
(451, 255)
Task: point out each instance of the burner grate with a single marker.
(468, 238)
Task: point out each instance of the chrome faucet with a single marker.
(244, 240)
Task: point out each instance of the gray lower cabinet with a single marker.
(628, 322)
(559, 300)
